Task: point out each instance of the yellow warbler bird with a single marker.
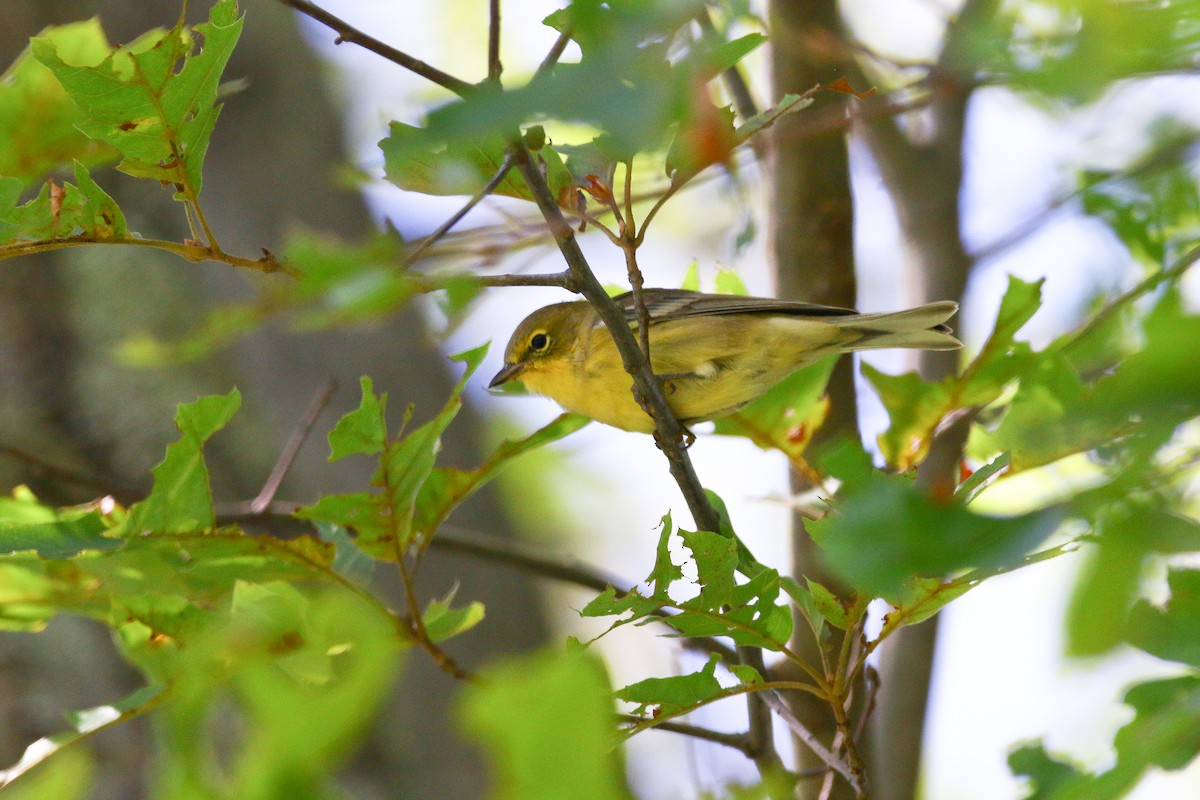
(714, 352)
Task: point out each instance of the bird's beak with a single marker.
(505, 375)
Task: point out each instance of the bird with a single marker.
(714, 353)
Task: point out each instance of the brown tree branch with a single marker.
(348, 33)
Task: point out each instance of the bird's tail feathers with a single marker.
(921, 328)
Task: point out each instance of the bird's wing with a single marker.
(664, 305)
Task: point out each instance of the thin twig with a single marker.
(292, 448)
(417, 625)
(121, 492)
(529, 559)
(560, 279)
(762, 724)
(348, 33)
(494, 66)
(554, 54)
(1181, 265)
(813, 743)
(189, 252)
(433, 238)
(738, 741)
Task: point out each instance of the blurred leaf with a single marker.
(547, 724)
(916, 407)
(637, 80)
(675, 694)
(154, 99)
(730, 282)
(83, 724)
(691, 278)
(69, 775)
(1075, 49)
(364, 430)
(29, 596)
(300, 730)
(1109, 580)
(979, 480)
(1160, 384)
(590, 162)
(38, 119)
(1046, 419)
(181, 501)
(885, 531)
(419, 160)
(1046, 774)
(1169, 632)
(1152, 205)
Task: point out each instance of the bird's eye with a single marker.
(539, 342)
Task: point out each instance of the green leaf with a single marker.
(27, 525)
(746, 674)
(360, 511)
(83, 724)
(447, 487)
(64, 212)
(1109, 579)
(665, 571)
(691, 278)
(1047, 774)
(364, 430)
(38, 119)
(788, 104)
(806, 605)
(442, 620)
(716, 561)
(181, 501)
(676, 694)
(787, 416)
(407, 464)
(1169, 632)
(350, 561)
(547, 724)
(827, 603)
(154, 99)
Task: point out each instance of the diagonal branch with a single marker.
(348, 33)
(669, 434)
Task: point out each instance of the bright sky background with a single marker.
(1000, 676)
